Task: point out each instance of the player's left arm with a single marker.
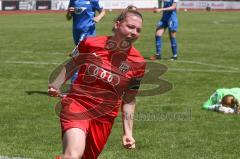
(100, 9)
(128, 109)
(100, 16)
(129, 103)
(173, 7)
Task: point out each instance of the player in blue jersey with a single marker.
(84, 19)
(169, 20)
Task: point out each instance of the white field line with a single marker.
(218, 21)
(202, 70)
(206, 64)
(232, 69)
(32, 52)
(61, 53)
(202, 63)
(6, 157)
(31, 62)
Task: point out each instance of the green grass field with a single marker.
(167, 126)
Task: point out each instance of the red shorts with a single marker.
(97, 132)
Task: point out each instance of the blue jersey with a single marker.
(169, 14)
(169, 18)
(84, 13)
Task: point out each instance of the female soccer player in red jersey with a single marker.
(110, 71)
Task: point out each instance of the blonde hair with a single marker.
(131, 7)
(229, 101)
(129, 10)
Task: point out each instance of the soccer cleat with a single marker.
(155, 57)
(174, 58)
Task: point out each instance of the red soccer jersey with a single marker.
(105, 76)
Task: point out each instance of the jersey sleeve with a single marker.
(135, 81)
(97, 5)
(213, 100)
(83, 46)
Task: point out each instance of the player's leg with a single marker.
(173, 27)
(74, 130)
(158, 40)
(96, 138)
(174, 46)
(73, 143)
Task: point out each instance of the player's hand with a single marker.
(128, 142)
(53, 92)
(71, 9)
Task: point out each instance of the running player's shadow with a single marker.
(36, 92)
(63, 89)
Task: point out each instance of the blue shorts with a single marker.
(79, 35)
(170, 23)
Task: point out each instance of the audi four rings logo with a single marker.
(102, 74)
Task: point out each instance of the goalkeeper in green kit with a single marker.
(224, 100)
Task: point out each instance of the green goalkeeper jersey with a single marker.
(217, 96)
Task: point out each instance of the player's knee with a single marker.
(159, 32)
(72, 155)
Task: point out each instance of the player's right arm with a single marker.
(68, 69)
(63, 75)
(70, 10)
